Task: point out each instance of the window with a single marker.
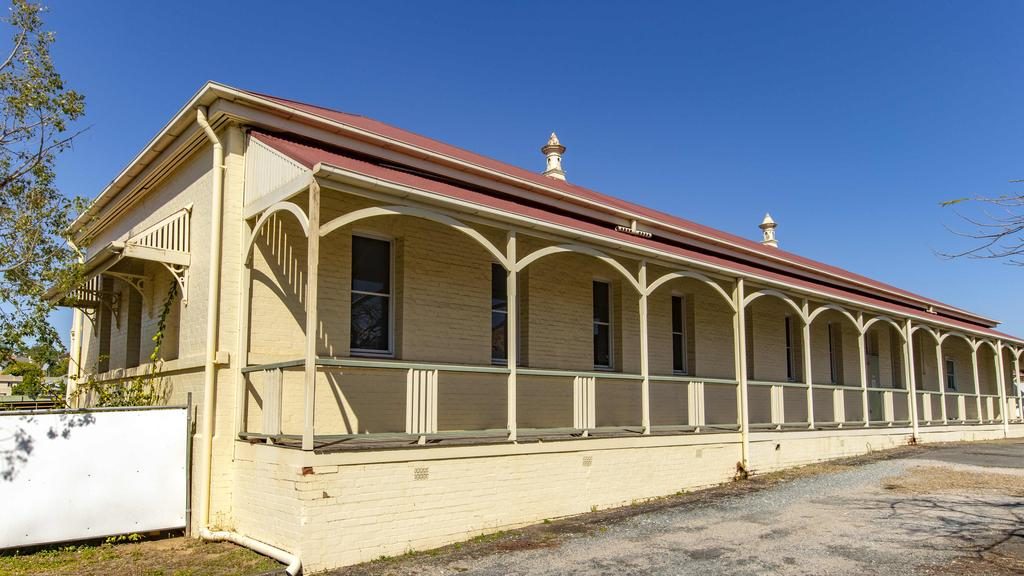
(680, 340)
(602, 325)
(371, 296)
(896, 357)
(791, 372)
(874, 366)
(133, 341)
(950, 374)
(748, 334)
(835, 352)
(106, 319)
(499, 314)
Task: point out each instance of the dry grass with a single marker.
(944, 480)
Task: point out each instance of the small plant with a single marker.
(593, 508)
(122, 538)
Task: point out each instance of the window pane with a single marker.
(499, 292)
(371, 265)
(677, 353)
(677, 314)
(499, 333)
(602, 345)
(370, 322)
(601, 307)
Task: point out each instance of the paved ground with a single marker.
(954, 509)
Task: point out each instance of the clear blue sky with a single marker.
(849, 122)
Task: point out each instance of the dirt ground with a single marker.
(936, 510)
(930, 511)
(176, 556)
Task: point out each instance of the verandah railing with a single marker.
(424, 401)
(378, 399)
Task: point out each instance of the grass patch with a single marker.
(167, 557)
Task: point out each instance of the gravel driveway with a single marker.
(952, 509)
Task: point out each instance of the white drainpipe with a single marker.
(210, 375)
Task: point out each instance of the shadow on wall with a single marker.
(17, 443)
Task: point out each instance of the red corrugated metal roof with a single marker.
(310, 156)
(410, 138)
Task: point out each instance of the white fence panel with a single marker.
(74, 475)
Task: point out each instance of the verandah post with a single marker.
(312, 274)
(941, 373)
(1016, 380)
(806, 335)
(740, 352)
(645, 385)
(911, 383)
(512, 330)
(862, 348)
(977, 379)
(244, 305)
(1001, 382)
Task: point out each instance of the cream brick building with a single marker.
(359, 402)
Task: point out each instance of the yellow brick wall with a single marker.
(340, 509)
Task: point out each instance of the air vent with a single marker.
(421, 474)
(588, 461)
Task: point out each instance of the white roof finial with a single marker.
(554, 150)
(768, 227)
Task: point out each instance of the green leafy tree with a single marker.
(37, 112)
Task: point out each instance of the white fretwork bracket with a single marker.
(180, 274)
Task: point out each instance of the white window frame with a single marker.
(610, 323)
(390, 352)
(684, 340)
(950, 361)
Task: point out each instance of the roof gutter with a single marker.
(210, 366)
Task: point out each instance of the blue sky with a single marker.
(850, 122)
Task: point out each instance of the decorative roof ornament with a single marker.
(768, 227)
(554, 150)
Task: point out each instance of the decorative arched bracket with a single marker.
(180, 274)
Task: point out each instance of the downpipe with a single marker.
(210, 365)
(294, 564)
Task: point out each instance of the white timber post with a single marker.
(912, 384)
(1017, 381)
(312, 276)
(941, 373)
(862, 348)
(1001, 381)
(740, 345)
(806, 335)
(645, 368)
(977, 380)
(241, 395)
(512, 334)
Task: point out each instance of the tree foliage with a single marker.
(36, 115)
(998, 232)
